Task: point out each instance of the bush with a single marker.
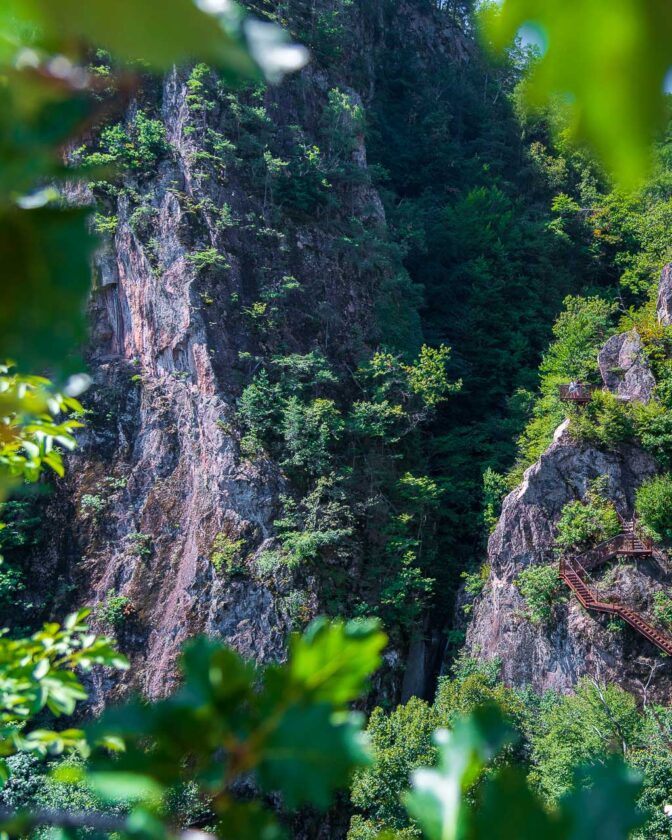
(207, 258)
(495, 488)
(654, 507)
(474, 583)
(540, 586)
(319, 524)
(587, 522)
(93, 505)
(662, 608)
(654, 430)
(141, 544)
(579, 332)
(114, 610)
(400, 742)
(225, 555)
(137, 145)
(12, 586)
(605, 421)
(309, 432)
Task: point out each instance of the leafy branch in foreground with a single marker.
(284, 728)
(38, 673)
(606, 62)
(48, 98)
(34, 423)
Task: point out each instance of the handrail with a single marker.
(576, 392)
(589, 596)
(627, 543)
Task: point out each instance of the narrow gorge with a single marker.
(377, 376)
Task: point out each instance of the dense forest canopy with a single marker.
(491, 254)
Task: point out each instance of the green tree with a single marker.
(654, 507)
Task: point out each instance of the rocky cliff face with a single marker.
(575, 642)
(204, 273)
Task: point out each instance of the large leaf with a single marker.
(603, 802)
(508, 810)
(608, 60)
(331, 662)
(134, 31)
(311, 754)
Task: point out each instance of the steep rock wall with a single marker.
(160, 474)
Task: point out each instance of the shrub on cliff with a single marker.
(654, 507)
(541, 588)
(606, 421)
(587, 522)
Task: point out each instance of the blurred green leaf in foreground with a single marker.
(607, 61)
(237, 732)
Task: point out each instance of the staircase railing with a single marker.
(577, 392)
(573, 568)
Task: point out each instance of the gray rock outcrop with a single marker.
(575, 642)
(625, 369)
(664, 305)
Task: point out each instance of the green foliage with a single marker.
(541, 588)
(623, 47)
(653, 425)
(505, 806)
(38, 674)
(207, 258)
(605, 421)
(495, 488)
(257, 409)
(427, 376)
(20, 525)
(92, 504)
(579, 332)
(309, 432)
(12, 586)
(286, 411)
(587, 522)
(226, 554)
(317, 526)
(437, 800)
(114, 610)
(198, 99)
(583, 727)
(285, 726)
(141, 545)
(574, 746)
(654, 507)
(137, 145)
(662, 609)
(473, 585)
(400, 742)
(35, 423)
(343, 123)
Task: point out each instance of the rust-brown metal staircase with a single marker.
(575, 570)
